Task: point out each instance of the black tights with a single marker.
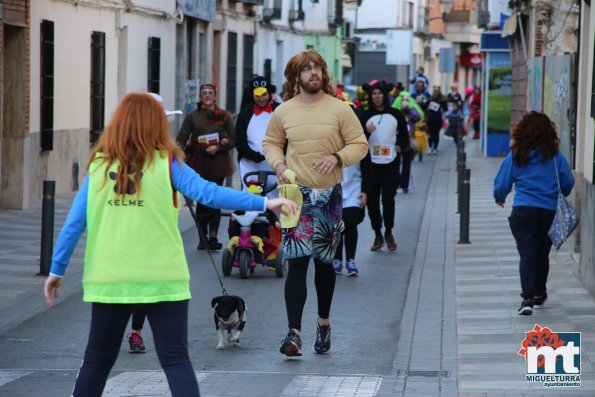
(296, 290)
(108, 324)
(209, 218)
(352, 216)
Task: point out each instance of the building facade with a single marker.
(14, 103)
(585, 145)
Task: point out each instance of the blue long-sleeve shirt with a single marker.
(535, 182)
(184, 179)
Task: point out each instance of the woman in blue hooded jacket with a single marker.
(531, 167)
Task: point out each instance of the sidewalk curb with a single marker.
(442, 380)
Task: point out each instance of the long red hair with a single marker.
(138, 127)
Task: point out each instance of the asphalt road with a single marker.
(366, 315)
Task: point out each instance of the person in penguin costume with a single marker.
(253, 119)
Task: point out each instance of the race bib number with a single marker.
(434, 106)
(383, 152)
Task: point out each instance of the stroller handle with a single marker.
(262, 176)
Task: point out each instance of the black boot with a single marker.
(214, 244)
(202, 234)
(213, 219)
(378, 241)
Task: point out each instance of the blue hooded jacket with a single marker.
(535, 182)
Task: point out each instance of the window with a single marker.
(47, 86)
(268, 66)
(191, 57)
(154, 57)
(248, 62)
(232, 82)
(203, 67)
(97, 85)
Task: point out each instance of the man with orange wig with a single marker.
(311, 137)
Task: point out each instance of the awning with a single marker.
(510, 26)
(471, 60)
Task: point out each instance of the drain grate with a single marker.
(423, 374)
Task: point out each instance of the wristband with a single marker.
(339, 161)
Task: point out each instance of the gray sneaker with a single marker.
(323, 339)
(292, 344)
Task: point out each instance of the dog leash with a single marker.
(190, 204)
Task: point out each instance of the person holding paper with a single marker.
(207, 136)
(386, 129)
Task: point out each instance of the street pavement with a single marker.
(443, 314)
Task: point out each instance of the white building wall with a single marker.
(317, 15)
(279, 46)
(73, 26)
(377, 14)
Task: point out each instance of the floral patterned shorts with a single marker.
(319, 227)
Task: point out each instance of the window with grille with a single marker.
(268, 69)
(97, 85)
(248, 62)
(154, 57)
(232, 61)
(47, 86)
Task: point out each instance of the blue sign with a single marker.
(201, 9)
(447, 60)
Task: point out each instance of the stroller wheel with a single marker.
(226, 264)
(279, 263)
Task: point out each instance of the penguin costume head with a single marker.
(257, 86)
(383, 86)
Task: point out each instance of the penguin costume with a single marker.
(251, 125)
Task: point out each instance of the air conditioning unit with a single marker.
(427, 52)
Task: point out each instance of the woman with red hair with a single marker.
(134, 254)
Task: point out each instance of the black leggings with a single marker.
(434, 130)
(108, 324)
(208, 216)
(296, 290)
(529, 226)
(406, 159)
(352, 216)
(138, 317)
(383, 181)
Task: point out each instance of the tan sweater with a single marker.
(312, 131)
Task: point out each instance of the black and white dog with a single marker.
(230, 316)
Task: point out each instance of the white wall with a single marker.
(278, 46)
(73, 26)
(317, 15)
(379, 14)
